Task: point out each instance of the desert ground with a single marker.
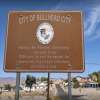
(77, 94)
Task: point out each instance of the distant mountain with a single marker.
(10, 80)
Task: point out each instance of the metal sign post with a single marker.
(48, 86)
(17, 86)
(69, 87)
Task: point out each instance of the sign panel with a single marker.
(45, 41)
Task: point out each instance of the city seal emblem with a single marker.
(45, 33)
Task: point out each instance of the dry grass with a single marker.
(8, 94)
(11, 95)
(55, 98)
(22, 93)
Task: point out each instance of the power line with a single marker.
(92, 63)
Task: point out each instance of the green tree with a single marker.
(95, 76)
(30, 80)
(1, 87)
(44, 79)
(75, 83)
(7, 87)
(66, 81)
(99, 77)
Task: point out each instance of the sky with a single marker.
(91, 11)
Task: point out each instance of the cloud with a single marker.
(92, 22)
(92, 31)
(96, 36)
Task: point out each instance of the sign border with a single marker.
(45, 71)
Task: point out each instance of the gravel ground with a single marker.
(78, 94)
(83, 94)
(23, 98)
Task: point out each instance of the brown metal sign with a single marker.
(45, 41)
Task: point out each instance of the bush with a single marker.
(75, 83)
(7, 87)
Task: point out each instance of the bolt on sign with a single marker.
(44, 41)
